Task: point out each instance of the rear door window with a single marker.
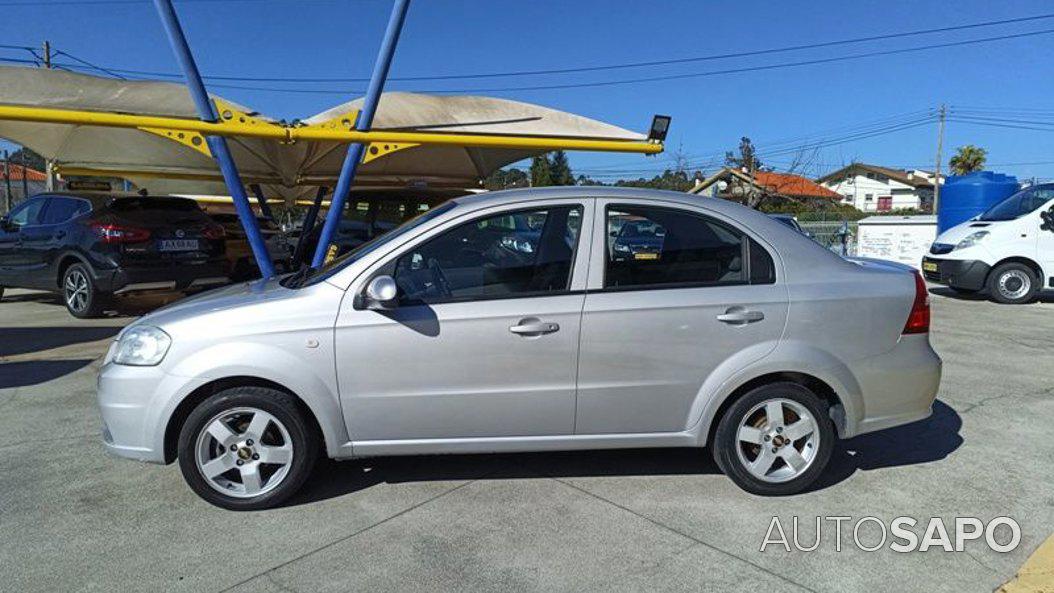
(62, 209)
(654, 247)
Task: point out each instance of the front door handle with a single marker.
(740, 316)
(534, 327)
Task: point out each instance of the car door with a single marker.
(484, 340)
(43, 243)
(657, 321)
(15, 259)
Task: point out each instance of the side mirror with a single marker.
(381, 293)
(612, 233)
(5, 224)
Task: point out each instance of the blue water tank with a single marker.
(966, 196)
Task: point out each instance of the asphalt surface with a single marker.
(74, 519)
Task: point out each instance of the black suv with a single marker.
(90, 247)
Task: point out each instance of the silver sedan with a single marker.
(531, 320)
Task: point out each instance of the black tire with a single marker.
(88, 301)
(1, 293)
(732, 456)
(1006, 284)
(285, 409)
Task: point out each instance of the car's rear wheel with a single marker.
(1013, 283)
(775, 440)
(247, 448)
(80, 294)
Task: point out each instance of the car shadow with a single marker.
(27, 340)
(35, 372)
(924, 441)
(131, 305)
(944, 291)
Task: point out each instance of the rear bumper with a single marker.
(968, 274)
(167, 278)
(899, 386)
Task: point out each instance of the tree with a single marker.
(747, 159)
(541, 173)
(560, 169)
(33, 160)
(506, 178)
(968, 159)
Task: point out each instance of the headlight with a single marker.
(143, 345)
(621, 248)
(972, 240)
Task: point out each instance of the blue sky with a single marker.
(335, 38)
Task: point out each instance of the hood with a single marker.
(962, 230)
(220, 299)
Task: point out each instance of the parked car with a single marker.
(91, 247)
(740, 335)
(1008, 250)
(240, 258)
(366, 217)
(792, 221)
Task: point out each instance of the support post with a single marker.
(308, 226)
(25, 176)
(363, 123)
(265, 208)
(217, 144)
(9, 200)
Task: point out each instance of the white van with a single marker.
(1008, 250)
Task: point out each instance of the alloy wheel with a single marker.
(244, 452)
(76, 290)
(777, 440)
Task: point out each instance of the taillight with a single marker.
(118, 233)
(919, 319)
(214, 232)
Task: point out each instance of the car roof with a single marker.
(100, 199)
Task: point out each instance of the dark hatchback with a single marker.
(91, 247)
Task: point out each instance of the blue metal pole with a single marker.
(217, 144)
(362, 124)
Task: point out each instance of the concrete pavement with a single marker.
(74, 519)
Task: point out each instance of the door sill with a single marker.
(518, 444)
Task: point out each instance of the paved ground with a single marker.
(74, 519)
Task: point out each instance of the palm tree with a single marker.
(968, 159)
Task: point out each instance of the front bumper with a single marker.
(967, 274)
(136, 404)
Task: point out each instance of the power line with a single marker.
(606, 67)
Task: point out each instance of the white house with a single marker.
(879, 189)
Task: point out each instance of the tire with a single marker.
(240, 452)
(1, 293)
(765, 441)
(1013, 283)
(82, 297)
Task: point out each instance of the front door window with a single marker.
(518, 254)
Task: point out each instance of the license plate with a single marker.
(929, 266)
(178, 245)
(645, 256)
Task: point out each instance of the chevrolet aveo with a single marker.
(523, 321)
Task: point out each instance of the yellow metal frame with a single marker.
(234, 123)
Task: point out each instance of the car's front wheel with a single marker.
(775, 440)
(247, 448)
(1013, 283)
(82, 297)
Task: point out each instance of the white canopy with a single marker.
(147, 158)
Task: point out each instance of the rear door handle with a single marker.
(534, 327)
(740, 316)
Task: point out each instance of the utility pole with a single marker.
(47, 55)
(940, 144)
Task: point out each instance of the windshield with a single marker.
(1020, 204)
(309, 275)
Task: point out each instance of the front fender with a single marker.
(310, 376)
(788, 356)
